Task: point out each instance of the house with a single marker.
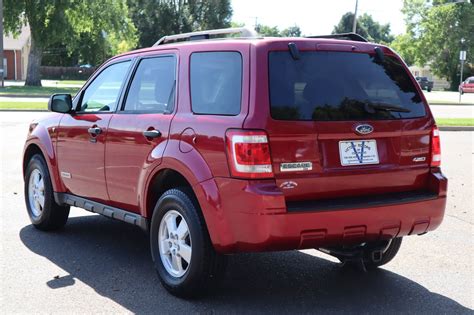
(438, 83)
(15, 54)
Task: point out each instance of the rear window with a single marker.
(216, 82)
(327, 86)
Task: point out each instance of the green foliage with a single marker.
(47, 20)
(37, 90)
(269, 31)
(403, 45)
(434, 35)
(292, 31)
(101, 29)
(157, 18)
(273, 31)
(71, 31)
(366, 26)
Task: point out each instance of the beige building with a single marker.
(15, 54)
(438, 83)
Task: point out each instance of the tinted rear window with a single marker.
(340, 86)
(216, 83)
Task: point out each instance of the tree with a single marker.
(65, 23)
(273, 31)
(157, 18)
(366, 27)
(403, 45)
(434, 33)
(292, 31)
(269, 31)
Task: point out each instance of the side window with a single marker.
(103, 93)
(216, 83)
(153, 86)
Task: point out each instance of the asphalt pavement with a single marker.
(96, 265)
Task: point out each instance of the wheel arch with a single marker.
(175, 173)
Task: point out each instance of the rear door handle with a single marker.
(152, 134)
(94, 131)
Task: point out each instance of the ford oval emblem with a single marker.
(364, 129)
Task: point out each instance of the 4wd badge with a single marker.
(298, 166)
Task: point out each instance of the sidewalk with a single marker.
(48, 83)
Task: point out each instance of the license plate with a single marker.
(358, 152)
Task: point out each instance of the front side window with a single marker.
(153, 86)
(103, 93)
(216, 82)
(328, 86)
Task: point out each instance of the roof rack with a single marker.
(244, 32)
(344, 36)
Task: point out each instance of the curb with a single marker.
(456, 128)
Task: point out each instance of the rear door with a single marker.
(345, 124)
(138, 133)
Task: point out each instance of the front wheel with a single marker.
(45, 214)
(182, 253)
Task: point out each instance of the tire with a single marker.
(429, 89)
(387, 256)
(461, 91)
(191, 249)
(45, 214)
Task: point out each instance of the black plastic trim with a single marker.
(349, 203)
(96, 207)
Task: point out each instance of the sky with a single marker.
(315, 17)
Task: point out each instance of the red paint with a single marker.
(129, 156)
(249, 214)
(467, 86)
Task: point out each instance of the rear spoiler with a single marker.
(342, 36)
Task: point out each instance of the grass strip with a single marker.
(23, 105)
(455, 121)
(36, 90)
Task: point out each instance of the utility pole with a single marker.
(462, 58)
(1, 43)
(354, 26)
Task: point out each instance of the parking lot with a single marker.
(96, 265)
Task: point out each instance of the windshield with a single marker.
(340, 86)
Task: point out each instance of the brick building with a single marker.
(15, 54)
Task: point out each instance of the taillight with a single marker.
(248, 153)
(435, 148)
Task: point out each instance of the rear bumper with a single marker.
(245, 216)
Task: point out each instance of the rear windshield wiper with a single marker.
(387, 107)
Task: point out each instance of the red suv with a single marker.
(220, 146)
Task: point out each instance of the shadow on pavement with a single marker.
(113, 258)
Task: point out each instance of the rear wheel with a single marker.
(181, 249)
(461, 91)
(44, 212)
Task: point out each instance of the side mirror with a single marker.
(60, 103)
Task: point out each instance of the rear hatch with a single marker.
(345, 124)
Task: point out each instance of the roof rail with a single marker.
(244, 32)
(344, 36)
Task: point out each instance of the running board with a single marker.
(96, 207)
